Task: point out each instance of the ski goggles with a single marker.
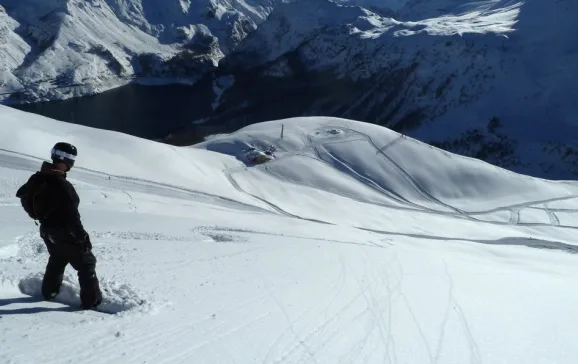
(62, 155)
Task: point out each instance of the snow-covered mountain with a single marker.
(492, 79)
(354, 244)
(100, 44)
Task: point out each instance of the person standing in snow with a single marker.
(50, 198)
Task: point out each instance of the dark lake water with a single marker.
(150, 112)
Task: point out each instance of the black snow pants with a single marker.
(63, 252)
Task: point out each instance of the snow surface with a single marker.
(354, 245)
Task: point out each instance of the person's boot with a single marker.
(49, 295)
(90, 294)
(51, 286)
(89, 305)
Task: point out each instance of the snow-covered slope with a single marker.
(354, 245)
(397, 170)
(491, 79)
(375, 165)
(100, 44)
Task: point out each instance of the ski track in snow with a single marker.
(130, 204)
(552, 216)
(275, 207)
(515, 218)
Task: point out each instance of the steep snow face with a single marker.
(228, 21)
(289, 26)
(13, 49)
(48, 45)
(488, 79)
(354, 244)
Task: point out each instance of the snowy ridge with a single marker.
(352, 244)
(285, 30)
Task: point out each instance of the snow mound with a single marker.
(117, 298)
(374, 164)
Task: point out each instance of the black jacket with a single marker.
(64, 222)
